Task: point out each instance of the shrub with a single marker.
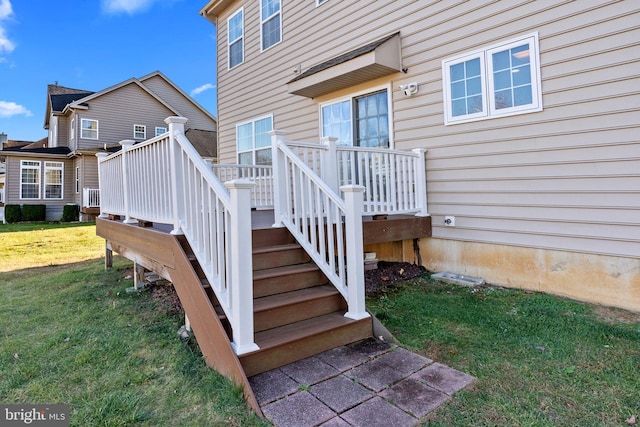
(12, 213)
(34, 212)
(70, 212)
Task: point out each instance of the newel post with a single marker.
(126, 145)
(279, 176)
(101, 157)
(241, 266)
(330, 164)
(421, 181)
(176, 125)
(353, 200)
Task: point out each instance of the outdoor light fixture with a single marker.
(409, 88)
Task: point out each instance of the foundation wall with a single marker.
(607, 280)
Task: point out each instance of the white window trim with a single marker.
(485, 56)
(48, 165)
(262, 21)
(136, 132)
(241, 39)
(353, 95)
(72, 130)
(32, 167)
(253, 149)
(77, 179)
(161, 130)
(82, 129)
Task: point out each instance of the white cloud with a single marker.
(127, 6)
(6, 11)
(202, 88)
(9, 109)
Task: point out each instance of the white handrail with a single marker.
(165, 180)
(326, 226)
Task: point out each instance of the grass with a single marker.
(69, 334)
(72, 335)
(539, 360)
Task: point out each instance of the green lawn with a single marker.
(70, 334)
(539, 360)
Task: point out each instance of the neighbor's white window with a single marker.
(53, 179)
(139, 132)
(89, 129)
(72, 130)
(270, 23)
(77, 179)
(253, 141)
(500, 80)
(235, 38)
(29, 179)
(160, 130)
(361, 120)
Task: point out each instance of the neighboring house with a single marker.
(529, 111)
(81, 123)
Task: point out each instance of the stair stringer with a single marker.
(210, 334)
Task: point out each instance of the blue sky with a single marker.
(94, 44)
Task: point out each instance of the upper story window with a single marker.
(160, 130)
(53, 180)
(235, 38)
(139, 132)
(72, 130)
(270, 23)
(29, 179)
(89, 129)
(500, 80)
(253, 141)
(361, 120)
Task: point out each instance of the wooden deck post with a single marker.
(241, 266)
(176, 124)
(126, 144)
(354, 199)
(108, 256)
(279, 177)
(101, 157)
(330, 164)
(421, 181)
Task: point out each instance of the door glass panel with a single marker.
(372, 120)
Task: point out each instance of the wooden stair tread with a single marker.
(282, 335)
(294, 297)
(276, 248)
(284, 270)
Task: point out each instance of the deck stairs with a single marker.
(297, 312)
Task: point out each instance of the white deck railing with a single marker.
(1, 195)
(326, 226)
(394, 180)
(91, 197)
(261, 176)
(164, 180)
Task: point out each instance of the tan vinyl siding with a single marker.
(565, 178)
(116, 123)
(198, 119)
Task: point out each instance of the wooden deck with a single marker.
(296, 312)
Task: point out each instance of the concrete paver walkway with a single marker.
(369, 383)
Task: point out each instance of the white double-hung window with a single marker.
(53, 180)
(254, 142)
(270, 23)
(500, 80)
(88, 129)
(29, 179)
(235, 38)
